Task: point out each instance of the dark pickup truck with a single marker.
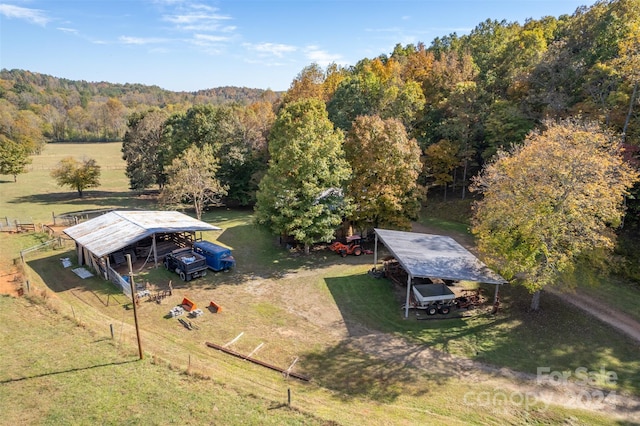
(186, 263)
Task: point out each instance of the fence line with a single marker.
(32, 168)
(119, 281)
(53, 243)
(8, 224)
(70, 219)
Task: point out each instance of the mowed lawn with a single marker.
(292, 310)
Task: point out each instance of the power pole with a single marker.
(135, 308)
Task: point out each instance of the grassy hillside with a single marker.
(60, 372)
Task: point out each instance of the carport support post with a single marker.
(155, 251)
(375, 253)
(406, 305)
(135, 309)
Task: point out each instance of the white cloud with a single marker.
(210, 44)
(275, 49)
(198, 17)
(321, 57)
(34, 16)
(140, 40)
(206, 38)
(68, 30)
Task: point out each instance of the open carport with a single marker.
(433, 256)
(104, 241)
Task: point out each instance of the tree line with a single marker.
(462, 97)
(367, 142)
(69, 110)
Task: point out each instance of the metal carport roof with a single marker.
(435, 256)
(115, 230)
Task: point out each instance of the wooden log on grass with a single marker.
(256, 361)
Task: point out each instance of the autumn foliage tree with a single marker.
(551, 203)
(20, 137)
(14, 158)
(192, 179)
(440, 160)
(385, 164)
(78, 175)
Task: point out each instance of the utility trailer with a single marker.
(218, 258)
(186, 263)
(434, 298)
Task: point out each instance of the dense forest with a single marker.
(461, 97)
(68, 110)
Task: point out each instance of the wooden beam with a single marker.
(256, 361)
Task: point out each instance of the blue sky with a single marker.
(188, 45)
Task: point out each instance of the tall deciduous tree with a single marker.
(307, 84)
(385, 164)
(315, 82)
(440, 160)
(375, 88)
(192, 179)
(27, 131)
(551, 202)
(300, 195)
(144, 149)
(235, 140)
(22, 127)
(504, 126)
(200, 125)
(629, 55)
(78, 175)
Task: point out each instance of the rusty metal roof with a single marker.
(115, 230)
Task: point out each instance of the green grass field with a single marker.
(36, 197)
(314, 310)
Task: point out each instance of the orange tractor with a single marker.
(352, 247)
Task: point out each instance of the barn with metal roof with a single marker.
(434, 256)
(104, 241)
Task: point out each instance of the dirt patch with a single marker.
(10, 283)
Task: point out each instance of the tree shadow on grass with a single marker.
(71, 370)
(126, 199)
(560, 338)
(60, 279)
(355, 374)
(259, 255)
